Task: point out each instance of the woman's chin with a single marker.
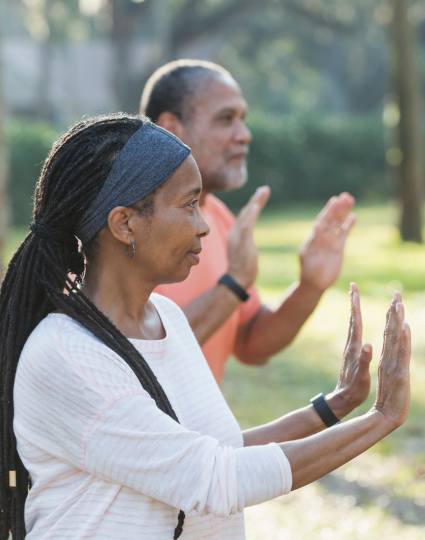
(178, 277)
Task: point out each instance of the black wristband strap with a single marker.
(324, 411)
(231, 284)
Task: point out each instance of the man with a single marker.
(202, 104)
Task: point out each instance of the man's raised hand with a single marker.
(322, 252)
(242, 252)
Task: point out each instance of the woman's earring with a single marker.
(134, 250)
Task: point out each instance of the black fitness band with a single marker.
(324, 411)
(231, 284)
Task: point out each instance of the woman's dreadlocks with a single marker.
(37, 282)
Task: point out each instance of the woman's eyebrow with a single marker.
(195, 191)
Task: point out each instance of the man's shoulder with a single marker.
(219, 210)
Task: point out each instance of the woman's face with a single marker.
(168, 242)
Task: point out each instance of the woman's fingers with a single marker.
(350, 322)
(389, 326)
(356, 335)
(406, 347)
(397, 336)
(354, 338)
(365, 356)
(393, 390)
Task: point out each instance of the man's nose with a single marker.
(242, 134)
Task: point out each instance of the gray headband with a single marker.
(148, 158)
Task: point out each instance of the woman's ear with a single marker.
(119, 222)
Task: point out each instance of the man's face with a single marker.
(216, 132)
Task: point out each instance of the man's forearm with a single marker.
(297, 424)
(271, 331)
(207, 313)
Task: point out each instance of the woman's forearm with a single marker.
(297, 424)
(320, 454)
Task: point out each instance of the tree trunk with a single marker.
(411, 170)
(3, 171)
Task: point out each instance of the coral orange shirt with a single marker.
(204, 276)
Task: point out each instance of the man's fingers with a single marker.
(262, 194)
(348, 225)
(344, 207)
(336, 211)
(326, 208)
(252, 209)
(251, 217)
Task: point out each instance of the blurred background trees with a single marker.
(334, 86)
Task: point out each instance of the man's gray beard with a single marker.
(221, 182)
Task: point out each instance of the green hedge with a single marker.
(313, 157)
(302, 159)
(28, 144)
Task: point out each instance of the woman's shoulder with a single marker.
(60, 345)
(59, 339)
(51, 329)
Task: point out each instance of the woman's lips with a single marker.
(194, 255)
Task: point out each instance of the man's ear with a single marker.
(173, 124)
(119, 222)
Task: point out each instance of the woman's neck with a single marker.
(125, 301)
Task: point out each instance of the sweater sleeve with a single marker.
(133, 443)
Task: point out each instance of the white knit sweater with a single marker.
(105, 462)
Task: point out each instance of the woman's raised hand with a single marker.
(313, 457)
(393, 386)
(354, 380)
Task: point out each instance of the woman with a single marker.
(118, 426)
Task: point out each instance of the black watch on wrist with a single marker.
(324, 411)
(231, 284)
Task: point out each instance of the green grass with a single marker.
(382, 493)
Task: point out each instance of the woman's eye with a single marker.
(192, 204)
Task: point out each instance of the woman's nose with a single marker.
(203, 227)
